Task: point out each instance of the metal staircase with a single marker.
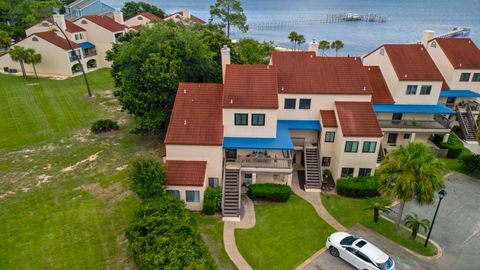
(467, 123)
(313, 172)
(231, 194)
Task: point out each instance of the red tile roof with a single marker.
(461, 52)
(357, 119)
(196, 118)
(250, 86)
(105, 22)
(412, 62)
(305, 73)
(150, 16)
(193, 18)
(381, 93)
(185, 173)
(73, 28)
(328, 118)
(56, 40)
(136, 27)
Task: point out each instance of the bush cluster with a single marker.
(104, 125)
(454, 146)
(471, 164)
(271, 192)
(164, 235)
(358, 187)
(147, 177)
(212, 200)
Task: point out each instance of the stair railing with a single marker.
(462, 122)
(320, 170)
(223, 186)
(471, 119)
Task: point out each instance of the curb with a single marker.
(311, 259)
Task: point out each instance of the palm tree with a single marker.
(293, 38)
(18, 55)
(5, 40)
(337, 45)
(300, 40)
(32, 57)
(324, 45)
(415, 223)
(378, 204)
(411, 173)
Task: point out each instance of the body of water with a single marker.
(406, 19)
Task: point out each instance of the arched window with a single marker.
(34, 39)
(433, 44)
(84, 22)
(382, 51)
(139, 18)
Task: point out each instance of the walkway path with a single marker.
(314, 199)
(474, 147)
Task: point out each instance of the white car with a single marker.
(358, 252)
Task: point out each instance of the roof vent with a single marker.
(355, 59)
(184, 91)
(364, 88)
(283, 88)
(231, 101)
(421, 48)
(268, 67)
(469, 41)
(406, 76)
(369, 69)
(184, 122)
(460, 64)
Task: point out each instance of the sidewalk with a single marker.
(474, 147)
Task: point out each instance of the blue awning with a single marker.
(86, 45)
(411, 108)
(281, 142)
(459, 93)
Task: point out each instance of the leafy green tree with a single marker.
(147, 178)
(32, 57)
(229, 12)
(293, 36)
(411, 173)
(148, 68)
(415, 223)
(337, 45)
(378, 204)
(5, 39)
(250, 51)
(18, 54)
(324, 45)
(132, 8)
(163, 234)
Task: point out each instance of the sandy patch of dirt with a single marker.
(121, 168)
(76, 165)
(42, 179)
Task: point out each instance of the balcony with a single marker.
(439, 123)
(268, 163)
(73, 58)
(89, 53)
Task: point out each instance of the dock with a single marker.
(457, 31)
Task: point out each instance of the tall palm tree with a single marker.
(411, 173)
(324, 45)
(415, 223)
(378, 204)
(293, 36)
(300, 40)
(337, 45)
(32, 57)
(18, 55)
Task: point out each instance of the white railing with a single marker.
(275, 163)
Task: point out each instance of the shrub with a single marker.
(271, 192)
(454, 146)
(212, 200)
(104, 126)
(147, 177)
(164, 235)
(358, 187)
(471, 164)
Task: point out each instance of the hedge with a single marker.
(147, 177)
(104, 126)
(471, 164)
(358, 187)
(454, 146)
(271, 192)
(212, 200)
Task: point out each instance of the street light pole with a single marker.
(441, 195)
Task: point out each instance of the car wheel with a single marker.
(334, 252)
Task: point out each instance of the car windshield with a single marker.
(348, 241)
(386, 265)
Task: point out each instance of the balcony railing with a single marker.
(440, 122)
(298, 142)
(90, 53)
(73, 58)
(273, 163)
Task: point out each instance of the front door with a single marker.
(231, 154)
(392, 138)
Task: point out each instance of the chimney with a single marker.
(60, 21)
(313, 47)
(427, 36)
(118, 16)
(225, 52)
(187, 14)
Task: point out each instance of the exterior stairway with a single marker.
(468, 125)
(313, 172)
(231, 194)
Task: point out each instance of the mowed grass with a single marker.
(351, 211)
(36, 110)
(284, 236)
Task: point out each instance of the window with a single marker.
(329, 136)
(290, 103)
(392, 138)
(77, 37)
(213, 181)
(364, 172)
(140, 18)
(369, 147)
(425, 90)
(433, 44)
(258, 119)
(347, 172)
(464, 77)
(476, 77)
(407, 136)
(34, 39)
(397, 116)
(241, 119)
(174, 192)
(193, 195)
(326, 161)
(305, 103)
(84, 22)
(411, 90)
(351, 146)
(231, 154)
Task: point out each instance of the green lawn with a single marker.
(350, 212)
(211, 229)
(284, 236)
(64, 196)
